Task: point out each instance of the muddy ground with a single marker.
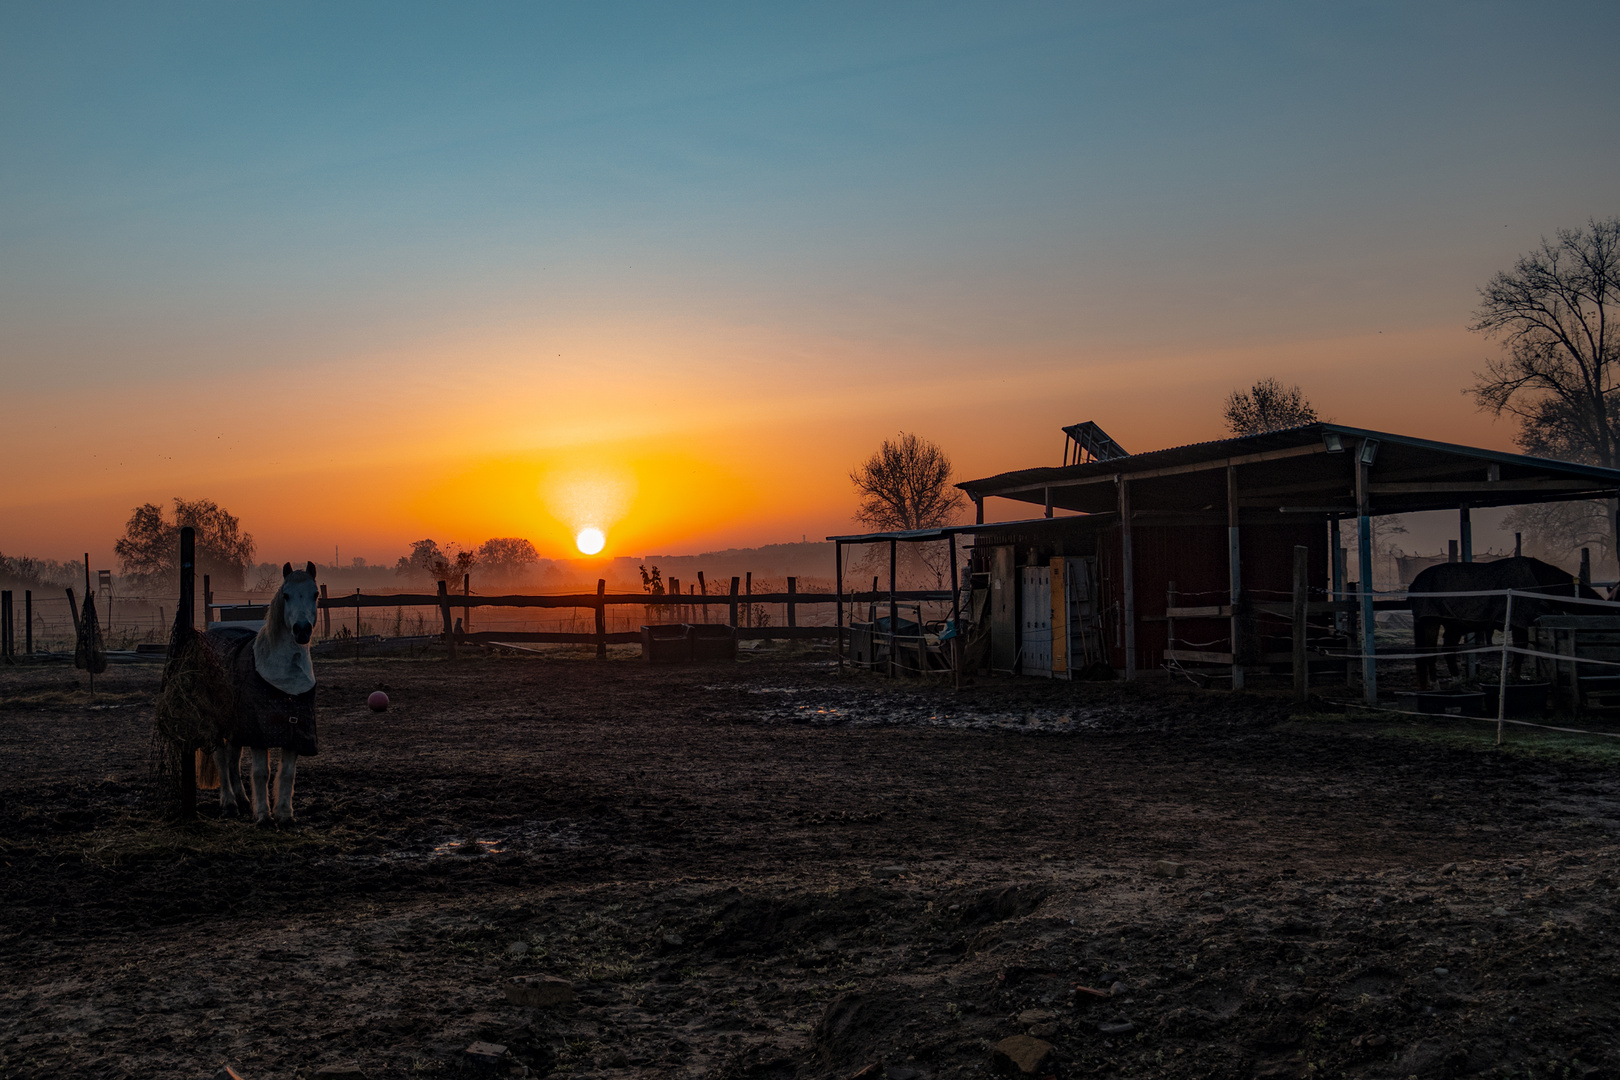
(774, 870)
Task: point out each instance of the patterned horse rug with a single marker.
(261, 716)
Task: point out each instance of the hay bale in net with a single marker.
(89, 652)
(194, 695)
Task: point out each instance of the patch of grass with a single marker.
(1516, 740)
(139, 839)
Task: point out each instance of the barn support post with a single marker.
(1369, 663)
(1048, 491)
(1128, 570)
(978, 510)
(1465, 531)
(1336, 569)
(838, 610)
(28, 622)
(792, 604)
(186, 618)
(1234, 572)
(601, 616)
(1169, 620)
(1586, 570)
(894, 607)
(731, 609)
(444, 614)
(956, 619)
(1302, 672)
(208, 601)
(1501, 684)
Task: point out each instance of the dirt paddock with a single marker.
(774, 870)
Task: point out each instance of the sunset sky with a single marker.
(365, 273)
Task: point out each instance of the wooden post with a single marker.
(326, 612)
(357, 623)
(1301, 601)
(208, 601)
(444, 613)
(1369, 662)
(1465, 528)
(466, 606)
(186, 618)
(5, 625)
(792, 608)
(956, 620)
(732, 611)
(978, 509)
(1234, 571)
(748, 591)
(703, 589)
(1336, 570)
(28, 622)
(1586, 569)
(838, 609)
(601, 617)
(1169, 619)
(1128, 570)
(894, 608)
(1047, 491)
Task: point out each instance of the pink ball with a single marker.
(378, 701)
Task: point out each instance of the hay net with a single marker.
(89, 652)
(194, 696)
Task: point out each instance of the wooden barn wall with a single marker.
(1194, 557)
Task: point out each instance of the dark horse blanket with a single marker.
(1483, 613)
(261, 715)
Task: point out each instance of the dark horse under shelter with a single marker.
(1539, 583)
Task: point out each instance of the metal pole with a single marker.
(1501, 688)
(187, 620)
(1128, 569)
(956, 620)
(894, 608)
(838, 613)
(1234, 569)
(1369, 663)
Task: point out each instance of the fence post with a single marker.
(956, 622)
(444, 613)
(326, 612)
(5, 625)
(28, 622)
(601, 619)
(748, 591)
(187, 613)
(735, 582)
(466, 606)
(838, 611)
(1501, 686)
(894, 610)
(1301, 606)
(792, 610)
(703, 588)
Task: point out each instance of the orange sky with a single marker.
(368, 275)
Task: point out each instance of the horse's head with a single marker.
(297, 601)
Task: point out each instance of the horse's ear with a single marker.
(309, 568)
(286, 569)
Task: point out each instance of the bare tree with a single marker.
(1268, 405)
(906, 484)
(149, 550)
(1557, 312)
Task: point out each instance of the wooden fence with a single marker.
(447, 602)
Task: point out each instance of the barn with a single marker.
(1189, 556)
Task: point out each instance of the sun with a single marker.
(590, 540)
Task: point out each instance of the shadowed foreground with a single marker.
(771, 870)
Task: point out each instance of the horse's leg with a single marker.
(1454, 636)
(233, 753)
(1427, 634)
(227, 789)
(261, 785)
(284, 786)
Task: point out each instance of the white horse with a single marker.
(273, 688)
